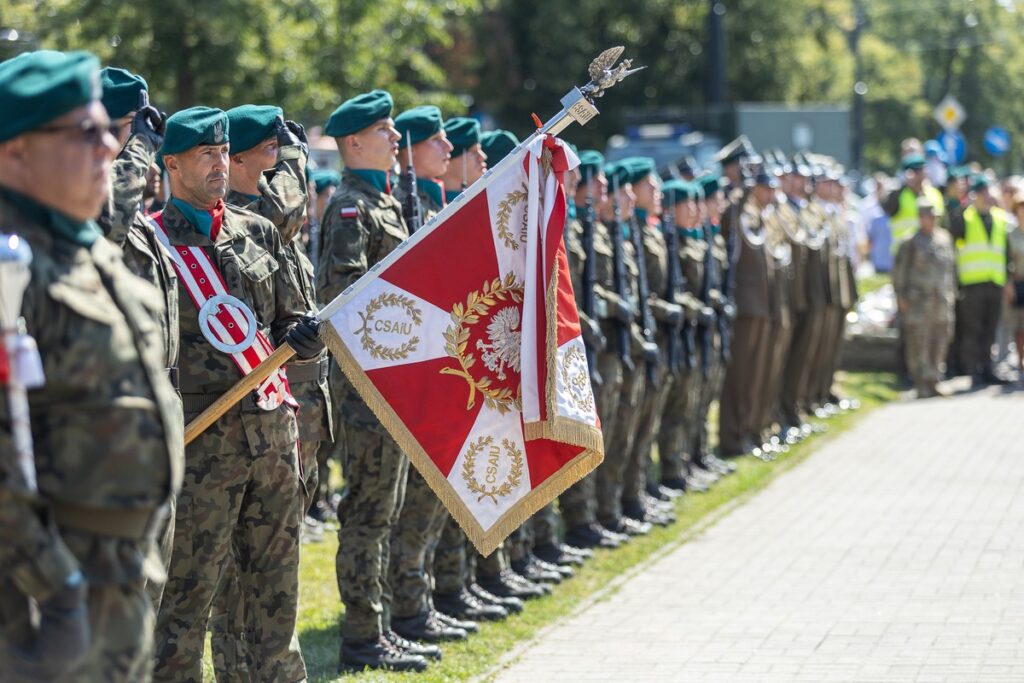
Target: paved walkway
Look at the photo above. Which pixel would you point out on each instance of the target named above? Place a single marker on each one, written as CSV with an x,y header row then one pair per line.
x,y
895,553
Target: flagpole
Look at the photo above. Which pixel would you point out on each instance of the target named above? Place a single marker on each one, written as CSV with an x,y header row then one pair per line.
x,y
577,107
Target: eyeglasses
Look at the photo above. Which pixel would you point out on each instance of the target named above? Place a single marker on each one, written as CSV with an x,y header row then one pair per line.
x,y
88,131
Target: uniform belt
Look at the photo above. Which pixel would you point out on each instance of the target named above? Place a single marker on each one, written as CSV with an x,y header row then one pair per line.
x,y
197,403
137,524
301,373
172,374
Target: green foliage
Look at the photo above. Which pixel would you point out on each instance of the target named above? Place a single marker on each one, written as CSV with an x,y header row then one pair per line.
x,y
511,58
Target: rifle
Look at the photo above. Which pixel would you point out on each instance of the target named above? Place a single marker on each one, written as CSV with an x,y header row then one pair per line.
x,y
412,212
589,299
710,272
677,357
689,343
643,291
619,277
732,255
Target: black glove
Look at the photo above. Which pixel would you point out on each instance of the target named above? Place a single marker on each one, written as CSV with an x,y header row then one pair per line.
x,y
305,338
290,133
592,335
674,316
651,353
62,640
149,123
706,317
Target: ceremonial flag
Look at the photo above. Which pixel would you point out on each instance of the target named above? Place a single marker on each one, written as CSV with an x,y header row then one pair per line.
x,y
465,342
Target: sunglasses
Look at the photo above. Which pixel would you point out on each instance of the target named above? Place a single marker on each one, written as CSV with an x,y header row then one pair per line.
x,y
88,131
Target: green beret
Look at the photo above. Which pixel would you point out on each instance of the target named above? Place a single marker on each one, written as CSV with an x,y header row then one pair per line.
x,y
38,87
463,132
912,161
958,172
638,168
618,174
418,124
362,111
192,127
979,181
121,90
709,184
251,124
497,144
591,163
677,191
326,177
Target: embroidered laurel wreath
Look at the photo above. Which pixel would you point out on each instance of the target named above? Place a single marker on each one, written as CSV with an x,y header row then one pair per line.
x,y
456,338
504,216
371,346
576,378
511,482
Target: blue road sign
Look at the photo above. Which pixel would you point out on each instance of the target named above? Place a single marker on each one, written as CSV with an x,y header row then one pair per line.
x,y
954,144
997,141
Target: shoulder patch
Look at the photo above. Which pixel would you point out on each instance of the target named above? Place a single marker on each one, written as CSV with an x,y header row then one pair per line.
x,y
348,212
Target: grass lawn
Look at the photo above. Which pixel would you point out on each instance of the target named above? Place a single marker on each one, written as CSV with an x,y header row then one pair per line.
x,y
873,282
320,609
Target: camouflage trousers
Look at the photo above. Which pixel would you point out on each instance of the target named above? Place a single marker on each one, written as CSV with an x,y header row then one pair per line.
x,y
229,619
375,479
926,342
414,540
578,503
240,500
121,621
493,564
651,409
611,473
543,527
673,434
710,388
451,559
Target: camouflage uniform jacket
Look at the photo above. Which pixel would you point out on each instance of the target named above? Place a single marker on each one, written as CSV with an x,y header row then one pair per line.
x,y
283,200
124,224
360,226
656,261
257,269
577,257
924,275
105,424
428,207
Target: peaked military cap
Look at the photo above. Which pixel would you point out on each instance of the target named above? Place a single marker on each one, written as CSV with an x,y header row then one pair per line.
x,y
38,87
497,144
251,124
362,111
324,178
914,161
591,163
677,191
192,127
121,90
734,151
763,177
418,124
463,132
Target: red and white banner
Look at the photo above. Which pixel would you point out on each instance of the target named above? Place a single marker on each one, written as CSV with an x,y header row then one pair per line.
x,y
466,344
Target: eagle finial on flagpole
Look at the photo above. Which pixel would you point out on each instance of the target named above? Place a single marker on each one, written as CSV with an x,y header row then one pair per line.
x,y
604,74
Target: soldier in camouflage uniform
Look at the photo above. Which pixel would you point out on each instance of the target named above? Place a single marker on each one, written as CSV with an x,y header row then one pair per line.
x,y
123,221
268,160
104,426
924,277
242,488
669,316
423,145
360,226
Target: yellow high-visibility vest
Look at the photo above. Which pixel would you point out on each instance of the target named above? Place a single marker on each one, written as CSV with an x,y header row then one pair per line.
x,y
978,259
905,222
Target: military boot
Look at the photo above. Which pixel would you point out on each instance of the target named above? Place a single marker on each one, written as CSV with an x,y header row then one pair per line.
x,y
529,567
553,554
464,605
422,649
592,536
625,525
427,627
508,584
377,653
510,604
466,625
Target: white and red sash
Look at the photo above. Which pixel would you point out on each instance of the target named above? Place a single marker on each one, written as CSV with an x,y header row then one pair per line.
x,y
229,325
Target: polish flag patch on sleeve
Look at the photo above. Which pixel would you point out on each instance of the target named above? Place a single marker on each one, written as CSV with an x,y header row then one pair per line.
x,y
349,212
